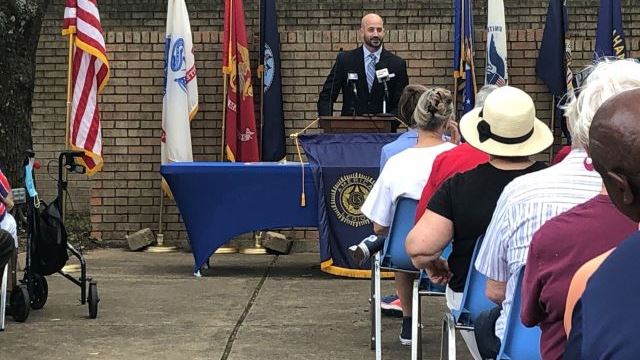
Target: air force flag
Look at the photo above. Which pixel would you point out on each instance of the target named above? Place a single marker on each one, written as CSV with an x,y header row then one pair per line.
x,y
180,101
496,68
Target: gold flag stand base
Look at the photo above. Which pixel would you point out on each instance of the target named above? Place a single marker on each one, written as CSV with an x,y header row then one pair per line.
x,y
161,247
259,250
227,249
256,249
69,268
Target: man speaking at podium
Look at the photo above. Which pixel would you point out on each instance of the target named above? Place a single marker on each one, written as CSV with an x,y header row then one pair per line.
x,y
371,78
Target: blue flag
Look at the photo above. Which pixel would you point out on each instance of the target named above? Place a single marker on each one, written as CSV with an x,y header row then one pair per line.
x,y
273,139
463,67
344,167
610,33
551,65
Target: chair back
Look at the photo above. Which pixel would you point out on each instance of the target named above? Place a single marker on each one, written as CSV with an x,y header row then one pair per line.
x,y
519,342
474,300
394,255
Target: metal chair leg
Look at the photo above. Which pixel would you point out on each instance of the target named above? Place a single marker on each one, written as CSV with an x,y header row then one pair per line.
x,y
448,340
378,312
415,322
3,296
372,306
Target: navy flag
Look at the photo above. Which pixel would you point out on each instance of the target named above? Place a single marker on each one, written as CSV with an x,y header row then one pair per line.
x,y
610,33
463,67
344,167
552,65
273,139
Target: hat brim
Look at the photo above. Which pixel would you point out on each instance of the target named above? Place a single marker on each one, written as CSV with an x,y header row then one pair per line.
x,y
541,138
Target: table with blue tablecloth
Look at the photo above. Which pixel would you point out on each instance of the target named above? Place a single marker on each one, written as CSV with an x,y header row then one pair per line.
x,y
219,201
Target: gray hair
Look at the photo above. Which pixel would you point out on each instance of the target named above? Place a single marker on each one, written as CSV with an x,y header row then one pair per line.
x,y
608,78
482,94
435,108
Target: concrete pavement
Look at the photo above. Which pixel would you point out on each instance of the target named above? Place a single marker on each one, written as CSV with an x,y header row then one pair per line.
x,y
244,307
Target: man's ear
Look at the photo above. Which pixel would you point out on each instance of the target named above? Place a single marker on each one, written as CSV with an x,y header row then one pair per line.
x,y
621,184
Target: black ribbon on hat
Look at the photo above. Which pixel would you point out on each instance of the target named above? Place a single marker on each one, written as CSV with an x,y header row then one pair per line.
x,y
484,131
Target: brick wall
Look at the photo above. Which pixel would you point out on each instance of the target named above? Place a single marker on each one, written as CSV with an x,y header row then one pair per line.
x,y
125,196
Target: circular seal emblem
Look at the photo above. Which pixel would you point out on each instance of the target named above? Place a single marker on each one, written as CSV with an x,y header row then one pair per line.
x,y
269,65
177,55
348,195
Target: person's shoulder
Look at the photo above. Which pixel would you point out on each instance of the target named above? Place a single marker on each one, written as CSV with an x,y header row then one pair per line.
x,y
352,53
390,56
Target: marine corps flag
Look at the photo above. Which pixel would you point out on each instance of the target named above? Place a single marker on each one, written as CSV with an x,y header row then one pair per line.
x,y
89,72
239,121
180,101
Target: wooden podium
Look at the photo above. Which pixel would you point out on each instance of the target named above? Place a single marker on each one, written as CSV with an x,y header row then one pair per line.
x,y
357,124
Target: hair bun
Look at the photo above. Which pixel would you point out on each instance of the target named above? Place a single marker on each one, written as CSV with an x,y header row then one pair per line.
x,y
432,109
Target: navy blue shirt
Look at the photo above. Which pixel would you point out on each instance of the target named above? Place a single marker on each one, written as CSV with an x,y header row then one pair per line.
x,y
605,321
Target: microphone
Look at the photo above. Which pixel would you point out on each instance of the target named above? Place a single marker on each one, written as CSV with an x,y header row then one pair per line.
x,y
352,78
383,76
382,72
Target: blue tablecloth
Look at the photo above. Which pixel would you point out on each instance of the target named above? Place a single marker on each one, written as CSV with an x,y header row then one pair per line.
x,y
219,201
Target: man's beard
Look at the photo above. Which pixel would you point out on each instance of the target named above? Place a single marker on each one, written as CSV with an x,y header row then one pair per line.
x,y
371,42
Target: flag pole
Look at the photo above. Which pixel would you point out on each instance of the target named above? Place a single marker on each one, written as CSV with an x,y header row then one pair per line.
x,y
224,249
67,119
257,248
68,114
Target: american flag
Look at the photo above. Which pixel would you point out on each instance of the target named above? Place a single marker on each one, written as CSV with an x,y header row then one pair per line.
x,y
89,74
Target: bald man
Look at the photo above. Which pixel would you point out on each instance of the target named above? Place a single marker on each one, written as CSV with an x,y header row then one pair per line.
x,y
354,75
605,320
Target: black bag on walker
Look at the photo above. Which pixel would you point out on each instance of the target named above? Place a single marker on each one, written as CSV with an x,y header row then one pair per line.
x,y
49,242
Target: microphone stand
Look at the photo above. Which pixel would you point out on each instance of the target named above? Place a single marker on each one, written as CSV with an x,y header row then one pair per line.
x,y
386,96
355,97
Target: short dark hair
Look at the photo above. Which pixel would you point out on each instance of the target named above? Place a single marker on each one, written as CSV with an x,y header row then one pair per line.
x,y
408,102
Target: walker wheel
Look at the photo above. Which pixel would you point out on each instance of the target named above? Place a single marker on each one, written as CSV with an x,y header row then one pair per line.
x,y
39,291
20,303
93,300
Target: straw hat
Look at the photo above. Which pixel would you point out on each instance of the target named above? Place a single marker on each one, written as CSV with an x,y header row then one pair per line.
x,y
506,125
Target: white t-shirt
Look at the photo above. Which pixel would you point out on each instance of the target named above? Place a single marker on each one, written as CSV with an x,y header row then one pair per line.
x,y
404,174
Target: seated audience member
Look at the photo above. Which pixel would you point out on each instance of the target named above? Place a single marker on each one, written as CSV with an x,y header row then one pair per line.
x,y
461,208
461,158
532,199
605,319
405,174
406,106
557,250
7,222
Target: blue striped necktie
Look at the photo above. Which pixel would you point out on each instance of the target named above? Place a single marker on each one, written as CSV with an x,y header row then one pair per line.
x,y
371,70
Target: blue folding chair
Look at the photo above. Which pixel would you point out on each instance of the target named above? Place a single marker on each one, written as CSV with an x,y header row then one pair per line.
x,y
519,342
473,303
393,257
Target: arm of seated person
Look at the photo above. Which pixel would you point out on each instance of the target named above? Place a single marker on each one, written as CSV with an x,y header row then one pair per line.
x,y
379,229
428,238
495,291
